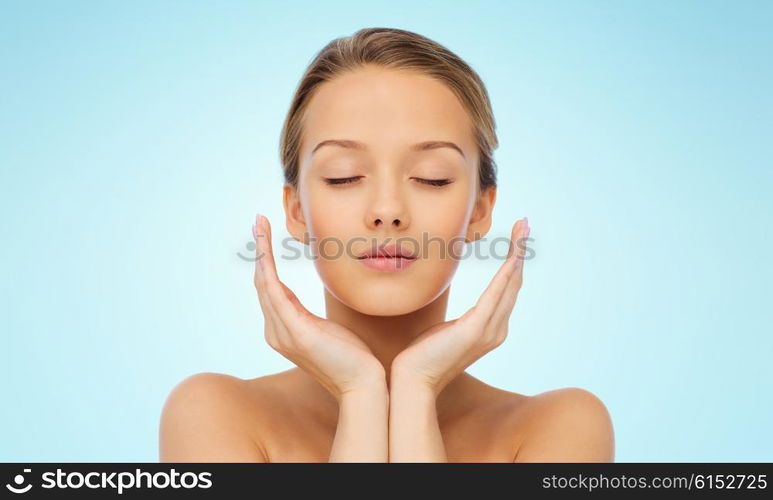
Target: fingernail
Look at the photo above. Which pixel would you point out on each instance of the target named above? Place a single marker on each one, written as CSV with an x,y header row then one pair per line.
x,y
257,219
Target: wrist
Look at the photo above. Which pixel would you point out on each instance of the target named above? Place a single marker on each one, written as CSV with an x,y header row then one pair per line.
x,y
370,382
407,383
375,392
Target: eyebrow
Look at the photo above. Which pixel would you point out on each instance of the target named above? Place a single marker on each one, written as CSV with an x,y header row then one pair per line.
x,y
421,146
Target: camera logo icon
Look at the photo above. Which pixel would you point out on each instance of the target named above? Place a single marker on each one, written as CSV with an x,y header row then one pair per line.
x,y
19,481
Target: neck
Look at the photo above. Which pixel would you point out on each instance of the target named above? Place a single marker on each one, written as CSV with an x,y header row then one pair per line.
x,y
387,336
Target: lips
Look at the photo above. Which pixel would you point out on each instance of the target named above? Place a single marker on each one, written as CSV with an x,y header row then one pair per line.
x,y
393,251
387,258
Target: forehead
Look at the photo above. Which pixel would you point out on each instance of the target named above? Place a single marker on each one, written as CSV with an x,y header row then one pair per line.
x,y
387,109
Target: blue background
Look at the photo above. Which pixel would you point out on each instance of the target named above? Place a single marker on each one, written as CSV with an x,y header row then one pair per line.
x,y
139,139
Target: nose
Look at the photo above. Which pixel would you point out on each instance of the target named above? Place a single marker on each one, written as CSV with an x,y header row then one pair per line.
x,y
387,207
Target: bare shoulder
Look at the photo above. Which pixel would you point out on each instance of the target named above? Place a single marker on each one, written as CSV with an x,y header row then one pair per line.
x,y
564,425
209,417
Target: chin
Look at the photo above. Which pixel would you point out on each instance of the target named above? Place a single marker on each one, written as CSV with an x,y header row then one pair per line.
x,y
376,304
382,295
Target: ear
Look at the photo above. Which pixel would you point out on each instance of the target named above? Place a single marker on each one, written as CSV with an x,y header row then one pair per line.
x,y
480,220
296,224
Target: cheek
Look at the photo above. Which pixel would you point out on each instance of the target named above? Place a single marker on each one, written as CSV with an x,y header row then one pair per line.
x,y
332,224
446,220
331,218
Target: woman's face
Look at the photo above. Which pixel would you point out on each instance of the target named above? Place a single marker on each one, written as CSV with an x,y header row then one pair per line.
x,y
389,190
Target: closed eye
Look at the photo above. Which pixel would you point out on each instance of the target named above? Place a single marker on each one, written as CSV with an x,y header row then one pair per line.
x,y
434,182
349,180
342,180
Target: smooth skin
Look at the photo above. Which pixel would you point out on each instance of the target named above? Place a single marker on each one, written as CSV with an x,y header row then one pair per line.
x,y
382,377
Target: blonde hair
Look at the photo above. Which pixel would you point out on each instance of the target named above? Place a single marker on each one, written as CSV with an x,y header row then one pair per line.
x,y
399,49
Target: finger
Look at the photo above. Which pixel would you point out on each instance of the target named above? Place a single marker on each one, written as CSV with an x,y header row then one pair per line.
x,y
268,265
504,309
269,260
287,314
260,237
492,295
271,330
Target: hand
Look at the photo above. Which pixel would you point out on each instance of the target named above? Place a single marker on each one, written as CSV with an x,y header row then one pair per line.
x,y
334,355
440,353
